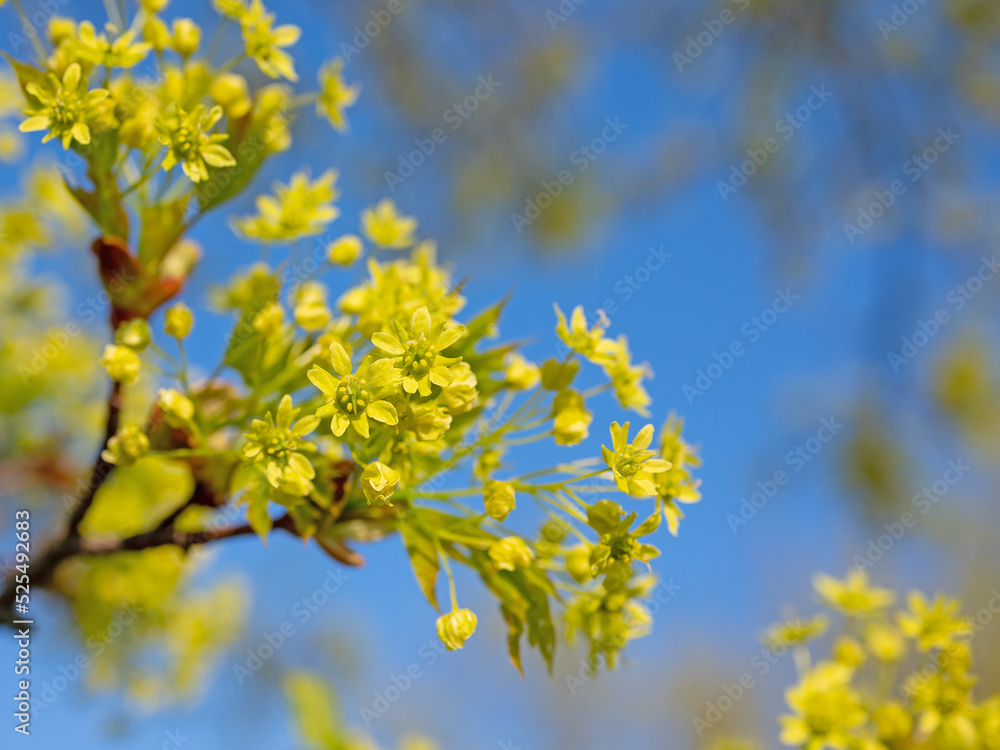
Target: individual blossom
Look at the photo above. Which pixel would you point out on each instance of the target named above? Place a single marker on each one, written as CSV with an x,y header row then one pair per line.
x,y
510,552
311,311
520,374
125,446
848,651
185,37
335,95
795,632
189,141
852,596
461,395
278,444
676,484
301,208
269,319
356,398
826,709
155,33
429,421
387,228
498,499
571,418
265,44
177,408
109,48
121,364
933,624
885,642
456,627
377,482
230,91
134,334
626,378
633,465
344,250
65,108
579,338
415,352
178,321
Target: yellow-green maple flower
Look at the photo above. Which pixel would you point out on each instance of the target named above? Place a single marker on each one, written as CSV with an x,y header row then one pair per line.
x,y
66,107
676,484
344,250
579,338
185,36
498,499
626,378
933,625
571,423
278,444
124,447
300,209
335,95
520,374
177,408
461,395
885,642
826,709
386,227
456,627
852,596
416,352
134,334
109,48
377,482
178,321
356,397
264,44
189,141
121,363
795,632
428,421
510,552
633,465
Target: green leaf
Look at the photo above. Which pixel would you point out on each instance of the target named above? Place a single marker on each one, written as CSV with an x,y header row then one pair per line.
x,y
515,628
424,559
257,514
162,226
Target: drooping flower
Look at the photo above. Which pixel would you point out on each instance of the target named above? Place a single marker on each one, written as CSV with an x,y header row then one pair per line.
x,y
498,499
66,107
626,378
354,398
178,321
344,250
265,44
335,95
386,227
377,482
121,363
571,423
416,352
177,408
301,208
510,552
676,484
189,141
852,596
125,446
456,627
521,374
633,465
278,444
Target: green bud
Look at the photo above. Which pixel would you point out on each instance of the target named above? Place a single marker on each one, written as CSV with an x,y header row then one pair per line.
x,y
498,497
456,627
134,334
511,552
178,321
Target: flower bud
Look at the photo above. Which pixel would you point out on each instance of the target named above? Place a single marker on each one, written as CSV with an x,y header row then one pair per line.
x,y
521,374
134,334
511,552
153,6
156,33
377,481
269,320
186,36
849,652
311,311
231,92
578,564
429,422
176,407
343,251
456,627
121,363
178,321
461,394
61,29
498,498
126,446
